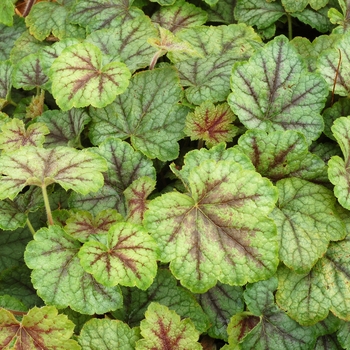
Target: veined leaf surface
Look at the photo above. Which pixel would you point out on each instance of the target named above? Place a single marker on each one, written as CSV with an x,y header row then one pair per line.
x,y
80,79
72,169
211,233
274,91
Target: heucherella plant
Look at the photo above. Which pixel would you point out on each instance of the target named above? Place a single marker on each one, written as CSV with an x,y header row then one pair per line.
x,y
174,174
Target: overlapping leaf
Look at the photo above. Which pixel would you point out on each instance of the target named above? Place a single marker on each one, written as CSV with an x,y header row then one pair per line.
x,y
107,334
5,82
282,154
163,329
59,277
220,303
274,91
179,16
7,9
83,226
72,169
211,233
306,221
98,14
328,63
79,78
338,167
14,135
166,291
65,128
128,258
148,112
47,18
127,43
39,327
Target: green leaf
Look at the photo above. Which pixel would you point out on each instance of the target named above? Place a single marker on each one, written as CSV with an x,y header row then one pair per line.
x,y
222,12
107,334
149,113
318,4
80,79
98,14
329,60
64,128
60,279
211,234
259,13
344,335
274,91
275,327
5,82
162,328
28,73
7,10
301,295
72,169
136,198
39,326
47,18
166,291
14,135
338,167
8,36
291,6
220,303
128,258
179,16
127,43
83,226
281,154
213,124
306,221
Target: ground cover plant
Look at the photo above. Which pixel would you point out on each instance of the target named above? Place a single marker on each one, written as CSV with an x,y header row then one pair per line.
x,y
174,174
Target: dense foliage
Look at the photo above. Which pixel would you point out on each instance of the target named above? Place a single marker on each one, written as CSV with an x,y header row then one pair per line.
x,y
174,174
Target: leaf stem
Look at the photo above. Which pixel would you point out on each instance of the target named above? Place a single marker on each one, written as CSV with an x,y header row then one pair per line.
x,y
47,205
155,57
290,27
30,226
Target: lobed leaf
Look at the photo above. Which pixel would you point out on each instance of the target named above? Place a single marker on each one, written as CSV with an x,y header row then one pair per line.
x,y
80,79
274,91
128,258
72,169
306,221
104,334
210,234
60,279
163,329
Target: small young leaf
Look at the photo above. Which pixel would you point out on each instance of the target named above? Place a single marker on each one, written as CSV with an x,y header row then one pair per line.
x,y
105,334
60,279
39,327
7,9
166,291
14,135
338,167
179,16
212,234
79,78
128,258
306,221
274,91
282,154
64,127
72,169
83,226
210,123
163,329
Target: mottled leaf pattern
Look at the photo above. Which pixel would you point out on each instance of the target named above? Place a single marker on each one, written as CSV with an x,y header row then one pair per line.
x,y
292,97
163,329
61,280
72,169
39,327
128,258
210,234
80,79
